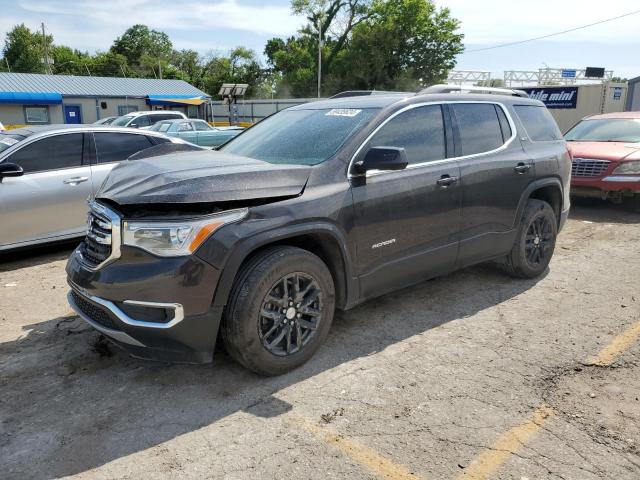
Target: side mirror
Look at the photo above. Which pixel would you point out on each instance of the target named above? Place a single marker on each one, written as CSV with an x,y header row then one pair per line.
x,y
382,158
10,170
133,125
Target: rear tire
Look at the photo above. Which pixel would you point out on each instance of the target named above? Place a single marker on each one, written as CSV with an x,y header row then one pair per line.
x,y
279,311
535,241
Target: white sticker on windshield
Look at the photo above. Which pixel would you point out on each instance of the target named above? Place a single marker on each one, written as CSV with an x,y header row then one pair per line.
x,y
343,112
9,141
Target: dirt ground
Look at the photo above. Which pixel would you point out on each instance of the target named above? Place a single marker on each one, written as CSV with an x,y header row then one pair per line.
x,y
473,375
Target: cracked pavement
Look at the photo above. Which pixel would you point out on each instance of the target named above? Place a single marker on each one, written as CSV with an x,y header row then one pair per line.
x,y
427,378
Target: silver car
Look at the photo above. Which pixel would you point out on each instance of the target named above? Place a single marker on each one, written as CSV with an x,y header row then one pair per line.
x,y
48,172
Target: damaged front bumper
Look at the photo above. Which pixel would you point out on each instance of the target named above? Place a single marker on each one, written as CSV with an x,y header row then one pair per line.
x,y
155,308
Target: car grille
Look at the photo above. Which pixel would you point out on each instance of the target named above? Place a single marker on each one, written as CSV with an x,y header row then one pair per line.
x,y
98,244
93,312
587,167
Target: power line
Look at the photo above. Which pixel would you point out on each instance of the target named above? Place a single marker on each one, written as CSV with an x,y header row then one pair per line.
x,y
553,34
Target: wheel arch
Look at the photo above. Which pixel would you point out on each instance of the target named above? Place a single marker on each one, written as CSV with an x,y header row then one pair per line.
x,y
325,241
548,190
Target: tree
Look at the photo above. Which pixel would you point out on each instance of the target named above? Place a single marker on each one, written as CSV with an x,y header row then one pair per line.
x,y
240,66
108,64
24,50
142,48
404,44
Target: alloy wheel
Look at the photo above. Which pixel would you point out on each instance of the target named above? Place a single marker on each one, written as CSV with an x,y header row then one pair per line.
x,y
290,314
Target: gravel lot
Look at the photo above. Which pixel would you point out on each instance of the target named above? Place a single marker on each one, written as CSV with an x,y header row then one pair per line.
x,y
473,375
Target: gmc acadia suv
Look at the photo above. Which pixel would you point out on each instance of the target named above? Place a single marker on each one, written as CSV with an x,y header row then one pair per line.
x,y
321,206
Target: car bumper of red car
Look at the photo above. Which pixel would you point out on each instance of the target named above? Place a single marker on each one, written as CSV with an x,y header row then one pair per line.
x,y
593,187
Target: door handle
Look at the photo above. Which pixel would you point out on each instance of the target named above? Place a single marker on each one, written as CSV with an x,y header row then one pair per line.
x,y
446,180
74,180
522,167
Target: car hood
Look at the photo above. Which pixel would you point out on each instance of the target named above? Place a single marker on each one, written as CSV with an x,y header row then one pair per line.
x,y
613,151
200,176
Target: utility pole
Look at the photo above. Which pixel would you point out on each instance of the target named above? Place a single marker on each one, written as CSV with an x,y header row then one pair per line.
x,y
46,51
319,54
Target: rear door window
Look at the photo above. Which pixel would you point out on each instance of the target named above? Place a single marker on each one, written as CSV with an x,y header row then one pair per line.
x,y
202,126
142,121
538,122
115,147
479,127
51,153
420,131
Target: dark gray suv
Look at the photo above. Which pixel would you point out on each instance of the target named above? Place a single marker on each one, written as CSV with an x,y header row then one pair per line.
x,y
321,206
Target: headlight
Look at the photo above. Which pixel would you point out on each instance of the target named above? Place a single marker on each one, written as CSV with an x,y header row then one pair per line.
x,y
176,238
628,168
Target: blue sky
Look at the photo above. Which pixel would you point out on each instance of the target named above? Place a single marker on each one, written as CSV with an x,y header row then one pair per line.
x,y
219,25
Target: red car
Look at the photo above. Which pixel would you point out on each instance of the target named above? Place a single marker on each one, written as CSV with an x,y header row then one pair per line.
x,y
606,156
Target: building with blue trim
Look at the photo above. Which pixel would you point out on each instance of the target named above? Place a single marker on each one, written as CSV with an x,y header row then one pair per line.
x,y
33,99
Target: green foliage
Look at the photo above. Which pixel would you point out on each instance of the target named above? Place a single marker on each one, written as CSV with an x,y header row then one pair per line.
x,y
24,50
141,46
379,44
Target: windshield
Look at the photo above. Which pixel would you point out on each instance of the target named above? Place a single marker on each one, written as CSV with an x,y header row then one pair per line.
x,y
122,121
605,130
161,127
7,141
300,137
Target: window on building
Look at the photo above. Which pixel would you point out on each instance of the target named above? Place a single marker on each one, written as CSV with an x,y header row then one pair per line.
x,y
115,147
50,153
124,109
479,127
192,111
420,131
36,114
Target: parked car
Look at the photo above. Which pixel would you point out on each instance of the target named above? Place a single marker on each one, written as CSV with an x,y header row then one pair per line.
x,y
48,172
105,121
606,156
320,206
146,119
198,132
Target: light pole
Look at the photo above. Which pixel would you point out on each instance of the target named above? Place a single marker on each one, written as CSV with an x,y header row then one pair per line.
x,y
319,53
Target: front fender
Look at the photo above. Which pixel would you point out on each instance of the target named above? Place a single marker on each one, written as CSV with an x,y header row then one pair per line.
x,y
241,250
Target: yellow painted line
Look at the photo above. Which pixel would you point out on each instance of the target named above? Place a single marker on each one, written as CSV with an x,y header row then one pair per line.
x,y
616,347
365,456
491,459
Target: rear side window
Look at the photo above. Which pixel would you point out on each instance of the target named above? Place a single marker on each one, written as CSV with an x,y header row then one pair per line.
x,y
538,122
115,147
478,126
141,121
420,131
52,153
202,126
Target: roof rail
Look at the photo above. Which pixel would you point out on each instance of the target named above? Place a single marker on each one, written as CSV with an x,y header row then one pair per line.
x,y
449,88
364,93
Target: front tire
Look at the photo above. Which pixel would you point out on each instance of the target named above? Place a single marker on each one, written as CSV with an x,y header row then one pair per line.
x,y
279,311
535,241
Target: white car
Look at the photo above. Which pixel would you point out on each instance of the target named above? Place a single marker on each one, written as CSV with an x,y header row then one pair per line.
x,y
48,172
146,119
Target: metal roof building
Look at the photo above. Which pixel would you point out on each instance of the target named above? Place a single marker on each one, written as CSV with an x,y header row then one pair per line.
x,y
633,95
27,98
